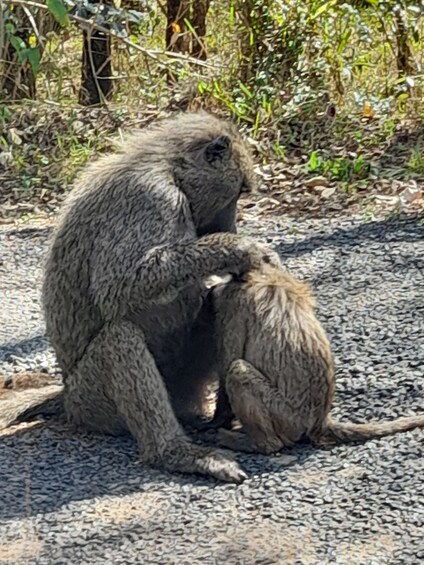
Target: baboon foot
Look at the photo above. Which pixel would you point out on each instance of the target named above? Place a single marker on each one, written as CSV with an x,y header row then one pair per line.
x,y
258,406
189,458
240,441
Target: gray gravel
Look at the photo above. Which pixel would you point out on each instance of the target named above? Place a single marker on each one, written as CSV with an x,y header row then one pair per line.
x,y
68,499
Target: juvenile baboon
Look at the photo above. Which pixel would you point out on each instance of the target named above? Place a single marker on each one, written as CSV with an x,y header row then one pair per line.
x,y
124,288
278,367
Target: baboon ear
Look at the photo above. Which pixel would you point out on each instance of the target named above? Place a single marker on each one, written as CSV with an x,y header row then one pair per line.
x,y
218,148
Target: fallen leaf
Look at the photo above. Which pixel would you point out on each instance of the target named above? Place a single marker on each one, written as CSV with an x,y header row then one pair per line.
x,y
315,181
391,200
411,194
5,158
77,126
368,112
14,137
327,192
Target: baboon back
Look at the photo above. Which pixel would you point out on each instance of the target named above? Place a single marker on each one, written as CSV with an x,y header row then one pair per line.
x,y
265,321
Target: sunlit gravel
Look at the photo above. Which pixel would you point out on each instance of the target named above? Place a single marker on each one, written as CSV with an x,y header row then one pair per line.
x,y
68,499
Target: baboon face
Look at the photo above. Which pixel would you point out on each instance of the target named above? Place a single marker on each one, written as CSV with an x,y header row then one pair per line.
x,y
224,220
213,173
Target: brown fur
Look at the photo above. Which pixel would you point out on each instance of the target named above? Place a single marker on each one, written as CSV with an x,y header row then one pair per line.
x,y
124,289
18,405
279,367
24,380
26,390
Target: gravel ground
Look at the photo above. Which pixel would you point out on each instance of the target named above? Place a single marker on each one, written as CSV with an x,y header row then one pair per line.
x,y
69,499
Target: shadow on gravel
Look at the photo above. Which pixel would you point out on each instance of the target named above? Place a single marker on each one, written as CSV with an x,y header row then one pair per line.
x,y
29,345
397,262
29,232
390,230
47,466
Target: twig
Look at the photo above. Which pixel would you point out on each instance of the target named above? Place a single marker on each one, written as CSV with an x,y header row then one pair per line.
x,y
33,24
161,7
2,35
152,53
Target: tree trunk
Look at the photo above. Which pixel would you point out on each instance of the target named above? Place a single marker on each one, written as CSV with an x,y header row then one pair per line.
x,y
200,11
96,68
177,39
404,58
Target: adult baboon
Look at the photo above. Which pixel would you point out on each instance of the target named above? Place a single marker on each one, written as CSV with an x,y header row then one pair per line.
x,y
278,367
124,281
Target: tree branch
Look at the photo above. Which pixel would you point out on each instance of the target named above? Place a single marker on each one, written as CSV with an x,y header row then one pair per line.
x,y
152,53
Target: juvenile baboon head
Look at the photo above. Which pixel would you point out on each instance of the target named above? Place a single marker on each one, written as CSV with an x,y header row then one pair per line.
x,y
212,166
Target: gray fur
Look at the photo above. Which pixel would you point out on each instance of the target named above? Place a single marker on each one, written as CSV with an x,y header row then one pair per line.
x,y
124,286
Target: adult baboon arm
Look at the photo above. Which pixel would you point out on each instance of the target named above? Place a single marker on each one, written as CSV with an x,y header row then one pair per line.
x,y
162,272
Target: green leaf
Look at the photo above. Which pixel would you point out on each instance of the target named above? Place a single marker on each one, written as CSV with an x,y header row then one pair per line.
x,y
5,112
18,43
32,54
323,8
232,15
245,90
313,162
189,26
9,27
403,96
59,11
358,164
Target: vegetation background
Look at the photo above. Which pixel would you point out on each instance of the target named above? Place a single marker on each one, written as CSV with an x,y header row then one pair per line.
x,y
329,93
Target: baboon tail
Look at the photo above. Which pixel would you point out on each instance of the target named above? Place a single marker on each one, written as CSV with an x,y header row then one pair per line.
x,y
25,405
340,432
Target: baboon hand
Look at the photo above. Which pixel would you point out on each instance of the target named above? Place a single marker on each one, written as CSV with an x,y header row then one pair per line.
x,y
259,254
215,280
